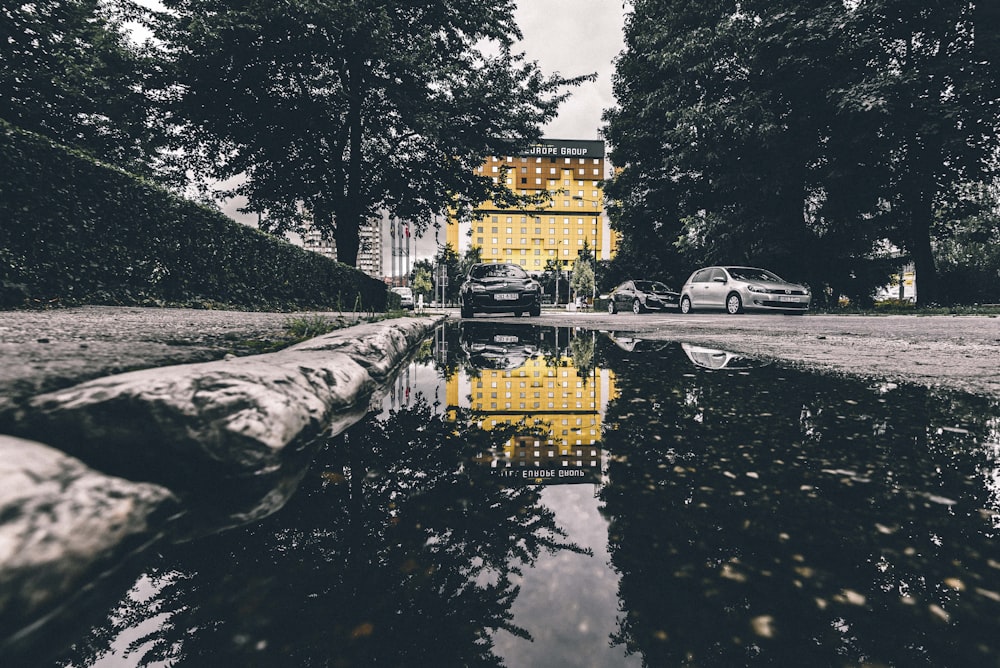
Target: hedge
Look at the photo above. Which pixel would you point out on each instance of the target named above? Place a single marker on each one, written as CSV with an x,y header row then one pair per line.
x,y
75,231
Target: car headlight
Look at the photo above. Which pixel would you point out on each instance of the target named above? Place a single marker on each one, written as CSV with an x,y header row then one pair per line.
x,y
476,287
755,288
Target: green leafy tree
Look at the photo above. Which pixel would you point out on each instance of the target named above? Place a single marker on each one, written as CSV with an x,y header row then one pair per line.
x,y
929,92
965,248
582,280
420,281
69,72
797,134
719,133
338,109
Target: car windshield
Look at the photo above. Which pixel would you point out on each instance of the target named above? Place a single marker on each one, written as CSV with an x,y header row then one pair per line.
x,y
498,271
651,286
751,274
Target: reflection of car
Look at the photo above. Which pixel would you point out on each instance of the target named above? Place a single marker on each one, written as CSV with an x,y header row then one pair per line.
x,y
628,342
494,345
624,340
710,358
639,296
500,288
405,297
737,289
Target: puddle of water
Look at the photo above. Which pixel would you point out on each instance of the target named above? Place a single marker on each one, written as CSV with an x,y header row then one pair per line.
x,y
540,496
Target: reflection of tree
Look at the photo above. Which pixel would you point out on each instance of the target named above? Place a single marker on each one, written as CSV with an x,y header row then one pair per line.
x,y
777,518
397,550
581,348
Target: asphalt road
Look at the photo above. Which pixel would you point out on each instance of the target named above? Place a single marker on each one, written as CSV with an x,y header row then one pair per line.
x,y
45,350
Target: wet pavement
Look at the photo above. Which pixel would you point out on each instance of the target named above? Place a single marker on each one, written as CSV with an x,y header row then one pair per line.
x,y
527,494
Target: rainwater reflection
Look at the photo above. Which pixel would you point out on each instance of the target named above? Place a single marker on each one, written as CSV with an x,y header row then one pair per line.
x,y
540,496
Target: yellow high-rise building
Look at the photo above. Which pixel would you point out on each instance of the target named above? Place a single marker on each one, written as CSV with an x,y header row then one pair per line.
x,y
569,174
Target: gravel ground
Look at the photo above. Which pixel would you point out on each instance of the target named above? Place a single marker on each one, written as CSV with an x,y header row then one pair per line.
x,y
958,352
45,350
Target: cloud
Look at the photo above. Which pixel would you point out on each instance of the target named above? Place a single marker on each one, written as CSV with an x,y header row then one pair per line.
x,y
574,37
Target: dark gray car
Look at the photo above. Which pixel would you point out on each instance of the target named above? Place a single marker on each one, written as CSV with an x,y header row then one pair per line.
x,y
639,296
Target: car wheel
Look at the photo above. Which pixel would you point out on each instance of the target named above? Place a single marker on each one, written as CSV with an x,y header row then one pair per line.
x,y
685,304
535,311
636,307
734,304
611,307
518,314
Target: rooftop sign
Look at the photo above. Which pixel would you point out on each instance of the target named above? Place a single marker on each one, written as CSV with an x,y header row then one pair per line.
x,y
565,148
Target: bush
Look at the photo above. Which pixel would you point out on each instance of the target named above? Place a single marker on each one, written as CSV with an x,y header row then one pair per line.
x,y
75,231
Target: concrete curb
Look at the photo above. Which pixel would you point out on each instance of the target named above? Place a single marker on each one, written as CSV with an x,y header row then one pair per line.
x,y
215,443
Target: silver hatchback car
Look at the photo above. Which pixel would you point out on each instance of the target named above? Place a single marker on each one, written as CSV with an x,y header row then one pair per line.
x,y
739,289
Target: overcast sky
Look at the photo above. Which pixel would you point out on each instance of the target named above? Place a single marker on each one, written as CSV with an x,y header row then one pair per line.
x,y
574,37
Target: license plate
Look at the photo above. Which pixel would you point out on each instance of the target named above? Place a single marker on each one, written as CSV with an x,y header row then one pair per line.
x,y
505,296
788,299
500,338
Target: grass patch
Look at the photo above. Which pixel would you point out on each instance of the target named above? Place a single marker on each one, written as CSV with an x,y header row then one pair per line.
x,y
310,326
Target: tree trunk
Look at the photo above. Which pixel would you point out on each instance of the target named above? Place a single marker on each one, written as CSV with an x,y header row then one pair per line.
x,y
923,256
349,210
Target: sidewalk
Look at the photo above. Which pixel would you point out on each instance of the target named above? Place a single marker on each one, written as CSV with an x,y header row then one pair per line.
x,y
53,349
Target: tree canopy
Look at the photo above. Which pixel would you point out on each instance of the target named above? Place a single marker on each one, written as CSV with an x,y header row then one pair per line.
x,y
69,72
798,134
331,111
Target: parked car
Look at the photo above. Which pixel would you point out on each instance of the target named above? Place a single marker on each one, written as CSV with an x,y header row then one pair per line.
x,y
405,297
500,288
639,296
739,289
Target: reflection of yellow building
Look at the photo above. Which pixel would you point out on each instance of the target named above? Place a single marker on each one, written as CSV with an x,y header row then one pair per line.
x,y
568,173
569,408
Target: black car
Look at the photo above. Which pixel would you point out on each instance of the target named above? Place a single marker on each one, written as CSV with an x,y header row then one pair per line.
x,y
639,296
500,288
